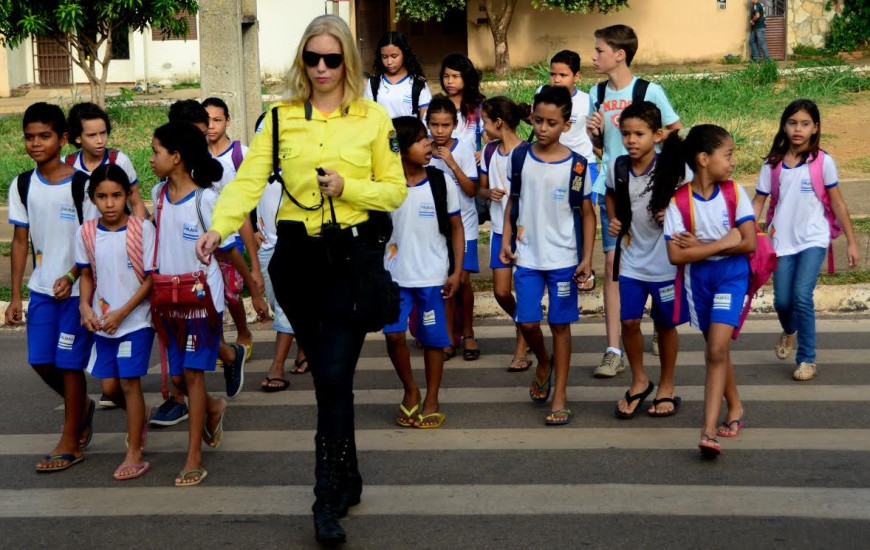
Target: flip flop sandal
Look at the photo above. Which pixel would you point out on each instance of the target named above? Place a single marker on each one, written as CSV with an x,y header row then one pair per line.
x,y
184,475
589,284
249,349
448,355
520,365
408,414
298,367
539,387
469,354
88,425
141,469
439,420
730,429
214,440
709,446
71,460
549,420
675,401
268,388
639,397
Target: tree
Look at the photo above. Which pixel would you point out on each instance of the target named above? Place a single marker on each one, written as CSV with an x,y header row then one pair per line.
x,y
85,28
500,13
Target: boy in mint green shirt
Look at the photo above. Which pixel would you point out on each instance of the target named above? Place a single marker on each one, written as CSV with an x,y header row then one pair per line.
x,y
615,47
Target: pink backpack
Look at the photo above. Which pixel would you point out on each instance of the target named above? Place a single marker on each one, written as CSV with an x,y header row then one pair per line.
x,y
762,262
816,165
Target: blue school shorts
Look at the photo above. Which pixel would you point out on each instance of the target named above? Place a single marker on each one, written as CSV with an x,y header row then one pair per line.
x,y
715,290
632,299
197,354
494,250
128,356
470,262
561,289
431,320
55,335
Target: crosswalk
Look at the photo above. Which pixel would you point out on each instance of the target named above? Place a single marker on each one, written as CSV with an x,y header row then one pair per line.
x,y
803,456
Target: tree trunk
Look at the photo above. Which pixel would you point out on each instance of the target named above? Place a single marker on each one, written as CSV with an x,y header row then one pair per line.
x,y
499,23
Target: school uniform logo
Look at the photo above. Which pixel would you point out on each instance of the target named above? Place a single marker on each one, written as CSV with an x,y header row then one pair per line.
x,y
427,210
563,289
667,293
65,341
125,350
407,99
68,212
726,220
807,186
722,301
429,318
560,193
190,232
394,141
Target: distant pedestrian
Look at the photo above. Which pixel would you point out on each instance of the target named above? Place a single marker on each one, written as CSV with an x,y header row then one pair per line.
x,y
806,211
757,30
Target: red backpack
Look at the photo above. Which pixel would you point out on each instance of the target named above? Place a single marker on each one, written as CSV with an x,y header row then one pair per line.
x,y
762,262
113,157
817,177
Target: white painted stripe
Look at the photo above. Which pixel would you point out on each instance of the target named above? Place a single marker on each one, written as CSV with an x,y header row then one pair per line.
x,y
447,439
788,391
448,500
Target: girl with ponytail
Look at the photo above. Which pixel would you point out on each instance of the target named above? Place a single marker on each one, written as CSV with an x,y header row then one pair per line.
x,y
709,229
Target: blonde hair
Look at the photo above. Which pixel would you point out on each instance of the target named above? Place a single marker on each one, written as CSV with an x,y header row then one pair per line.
x,y
298,83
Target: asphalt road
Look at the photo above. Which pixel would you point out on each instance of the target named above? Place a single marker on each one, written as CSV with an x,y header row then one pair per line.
x,y
493,477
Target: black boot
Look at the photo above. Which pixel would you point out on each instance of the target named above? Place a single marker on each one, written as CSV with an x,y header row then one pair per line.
x,y
352,484
326,490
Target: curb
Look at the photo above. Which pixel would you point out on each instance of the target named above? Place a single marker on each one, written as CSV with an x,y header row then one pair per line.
x,y
831,299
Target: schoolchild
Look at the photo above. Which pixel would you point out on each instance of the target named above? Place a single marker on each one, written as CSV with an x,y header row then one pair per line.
x,y
711,240
231,154
806,211
397,80
643,268
89,131
183,204
456,159
47,205
461,82
501,116
553,221
115,255
615,47
425,229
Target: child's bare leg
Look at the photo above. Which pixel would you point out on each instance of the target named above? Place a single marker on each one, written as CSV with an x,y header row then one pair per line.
x,y
562,364
668,347
52,376
467,297
74,399
502,288
718,339
111,388
732,397
397,348
226,353
449,313
135,401
535,338
632,341
434,361
237,312
611,302
175,389
194,388
283,343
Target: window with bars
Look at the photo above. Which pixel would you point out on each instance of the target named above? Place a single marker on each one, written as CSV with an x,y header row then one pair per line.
x,y
121,43
774,7
157,34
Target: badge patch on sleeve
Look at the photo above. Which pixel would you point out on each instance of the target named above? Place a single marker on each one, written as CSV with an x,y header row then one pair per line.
x,y
394,142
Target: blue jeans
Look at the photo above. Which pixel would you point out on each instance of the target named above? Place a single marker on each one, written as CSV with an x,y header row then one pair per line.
x,y
793,285
757,41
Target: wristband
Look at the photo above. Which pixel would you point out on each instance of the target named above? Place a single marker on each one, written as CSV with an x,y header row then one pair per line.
x,y
72,278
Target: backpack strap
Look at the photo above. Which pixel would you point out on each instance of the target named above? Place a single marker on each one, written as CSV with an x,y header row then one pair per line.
x,y
71,159
775,171
638,93
438,184
375,84
602,89
729,193
576,198
623,207
113,156
518,159
817,177
89,239
488,152
683,200
237,155
79,183
417,85
135,250
23,185
160,196
198,199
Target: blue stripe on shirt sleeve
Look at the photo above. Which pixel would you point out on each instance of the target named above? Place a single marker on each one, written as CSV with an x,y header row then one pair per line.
x,y
762,193
83,265
454,213
19,224
668,238
745,219
829,185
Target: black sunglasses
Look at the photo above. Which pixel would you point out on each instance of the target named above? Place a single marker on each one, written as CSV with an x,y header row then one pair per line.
x,y
312,59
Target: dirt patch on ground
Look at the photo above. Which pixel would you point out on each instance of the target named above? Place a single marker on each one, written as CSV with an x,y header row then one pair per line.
x,y
844,135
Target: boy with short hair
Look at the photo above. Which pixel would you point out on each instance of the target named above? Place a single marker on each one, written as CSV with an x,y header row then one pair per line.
x,y
615,47
47,205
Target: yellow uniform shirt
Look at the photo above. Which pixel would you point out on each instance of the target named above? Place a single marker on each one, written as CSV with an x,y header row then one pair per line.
x,y
355,144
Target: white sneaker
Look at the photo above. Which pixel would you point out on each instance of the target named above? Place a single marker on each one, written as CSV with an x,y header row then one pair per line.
x,y
611,365
805,371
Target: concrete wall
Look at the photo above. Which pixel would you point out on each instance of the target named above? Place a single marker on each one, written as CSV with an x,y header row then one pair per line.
x,y
669,31
16,68
808,23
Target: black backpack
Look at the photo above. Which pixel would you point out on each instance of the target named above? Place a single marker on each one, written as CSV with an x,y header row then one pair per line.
x,y
638,93
623,206
438,184
79,183
575,193
417,85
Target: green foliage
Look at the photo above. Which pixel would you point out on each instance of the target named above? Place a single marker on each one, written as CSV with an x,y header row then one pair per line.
x,y
6,293
581,6
425,10
850,30
802,50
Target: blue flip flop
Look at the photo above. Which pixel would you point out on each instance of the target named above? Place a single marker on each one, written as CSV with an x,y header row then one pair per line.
x,y
88,425
538,387
70,458
564,421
